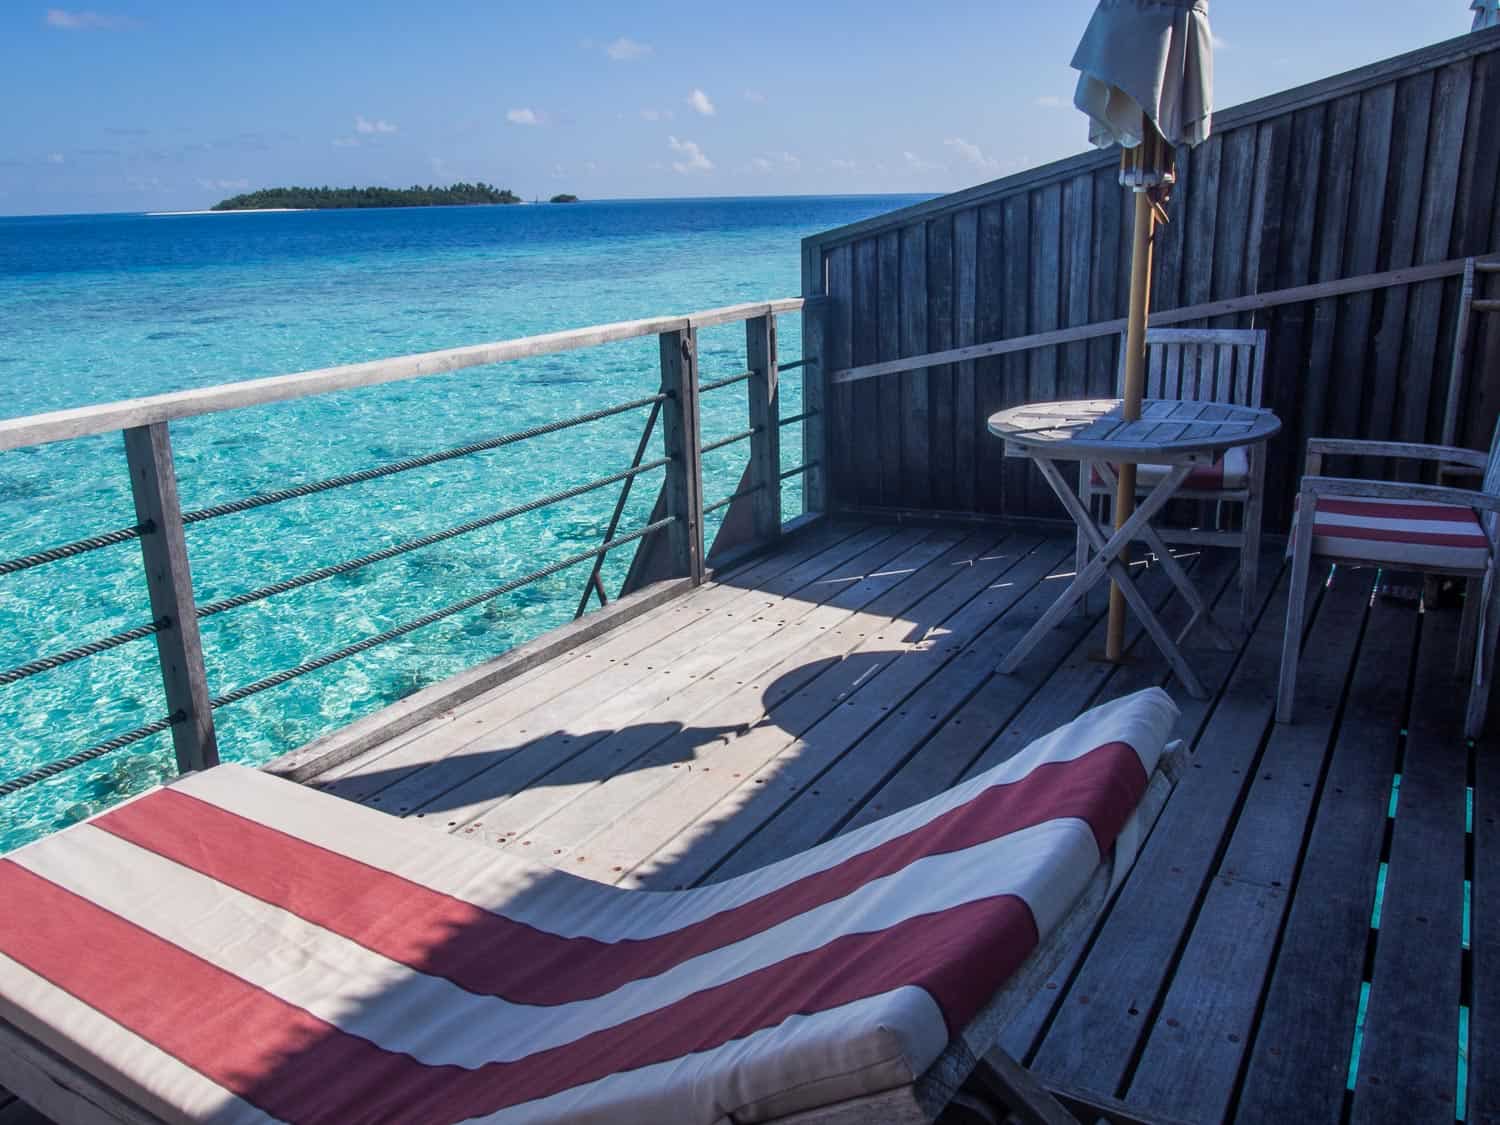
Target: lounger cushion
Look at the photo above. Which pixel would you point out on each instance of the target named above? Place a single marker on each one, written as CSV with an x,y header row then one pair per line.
x,y
1420,533
238,948
1229,473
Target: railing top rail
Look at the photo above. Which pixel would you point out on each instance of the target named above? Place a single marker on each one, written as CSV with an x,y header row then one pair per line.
x,y
60,425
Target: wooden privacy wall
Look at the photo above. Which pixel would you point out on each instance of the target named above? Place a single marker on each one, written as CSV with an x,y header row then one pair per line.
x,y
1388,166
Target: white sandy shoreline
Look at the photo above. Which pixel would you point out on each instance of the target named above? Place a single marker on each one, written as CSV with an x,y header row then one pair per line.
x,y
234,211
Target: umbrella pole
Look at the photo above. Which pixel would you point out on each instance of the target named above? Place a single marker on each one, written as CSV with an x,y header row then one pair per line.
x,y
1135,384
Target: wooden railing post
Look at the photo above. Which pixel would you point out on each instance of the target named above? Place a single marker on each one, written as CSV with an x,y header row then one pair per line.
x,y
765,417
815,401
153,481
684,483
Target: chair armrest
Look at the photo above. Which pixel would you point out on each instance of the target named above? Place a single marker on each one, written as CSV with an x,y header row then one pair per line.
x,y
1406,450
1399,490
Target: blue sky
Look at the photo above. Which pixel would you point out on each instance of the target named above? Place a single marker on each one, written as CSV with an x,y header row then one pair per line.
x,y
136,105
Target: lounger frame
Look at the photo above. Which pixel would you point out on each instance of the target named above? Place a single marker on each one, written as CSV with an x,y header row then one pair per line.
x,y
64,1092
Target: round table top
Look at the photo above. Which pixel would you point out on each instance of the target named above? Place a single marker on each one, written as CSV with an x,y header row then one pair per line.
x,y
1168,430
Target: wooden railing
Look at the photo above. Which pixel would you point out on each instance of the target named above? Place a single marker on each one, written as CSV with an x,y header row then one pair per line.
x,y
1334,215
752,517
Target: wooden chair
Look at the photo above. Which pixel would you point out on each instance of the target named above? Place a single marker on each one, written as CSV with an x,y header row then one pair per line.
x,y
1435,529
1206,365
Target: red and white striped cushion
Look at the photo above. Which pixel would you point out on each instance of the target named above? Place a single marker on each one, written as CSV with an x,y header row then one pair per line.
x,y
238,948
1229,473
1417,532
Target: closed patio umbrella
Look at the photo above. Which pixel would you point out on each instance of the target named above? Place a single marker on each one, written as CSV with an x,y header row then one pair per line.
x,y
1146,84
1486,14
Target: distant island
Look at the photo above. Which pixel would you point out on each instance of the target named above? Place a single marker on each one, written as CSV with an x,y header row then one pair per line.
x,y
331,198
563,198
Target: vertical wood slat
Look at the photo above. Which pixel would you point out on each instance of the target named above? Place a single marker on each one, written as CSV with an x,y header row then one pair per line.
x,y
840,322
940,390
1409,133
887,339
1443,154
1342,130
1290,327
1234,210
684,483
169,583
967,423
864,486
1201,221
989,374
1045,301
916,447
765,418
1078,212
815,401
1104,296
1167,378
1372,157
1015,306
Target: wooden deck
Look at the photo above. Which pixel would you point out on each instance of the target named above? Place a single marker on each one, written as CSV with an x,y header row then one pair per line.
x,y
851,673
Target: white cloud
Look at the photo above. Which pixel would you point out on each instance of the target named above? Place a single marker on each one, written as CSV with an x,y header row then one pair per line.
x,y
64,20
223,185
701,103
971,152
1220,43
345,142
55,158
842,165
915,163
772,160
365,125
558,171
649,114
590,167
1050,101
755,97
625,49
522,116
693,160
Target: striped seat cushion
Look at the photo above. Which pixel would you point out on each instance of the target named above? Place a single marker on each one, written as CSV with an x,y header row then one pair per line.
x,y
1229,473
238,948
1420,533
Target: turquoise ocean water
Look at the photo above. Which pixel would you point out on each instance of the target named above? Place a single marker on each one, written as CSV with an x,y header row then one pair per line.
x,y
102,307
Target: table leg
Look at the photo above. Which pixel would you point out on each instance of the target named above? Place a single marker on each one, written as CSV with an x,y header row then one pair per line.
x,y
1106,562
1179,577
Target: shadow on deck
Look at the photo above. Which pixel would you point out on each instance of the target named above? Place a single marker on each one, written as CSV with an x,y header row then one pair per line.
x,y
1294,943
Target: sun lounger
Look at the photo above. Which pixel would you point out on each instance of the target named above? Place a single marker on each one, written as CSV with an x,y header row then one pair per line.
x,y
237,948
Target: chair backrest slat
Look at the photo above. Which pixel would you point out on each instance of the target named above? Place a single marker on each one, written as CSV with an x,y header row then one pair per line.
x,y
1204,364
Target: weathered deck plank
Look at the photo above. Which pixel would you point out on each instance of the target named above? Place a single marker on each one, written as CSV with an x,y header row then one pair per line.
x,y
1208,1014
670,685
805,678
825,543
1408,1067
1300,1057
442,766
1091,1043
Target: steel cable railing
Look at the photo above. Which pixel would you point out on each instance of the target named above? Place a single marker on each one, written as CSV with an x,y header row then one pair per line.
x,y
336,655
612,542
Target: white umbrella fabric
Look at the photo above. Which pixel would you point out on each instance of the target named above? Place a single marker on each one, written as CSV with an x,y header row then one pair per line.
x,y
1147,72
